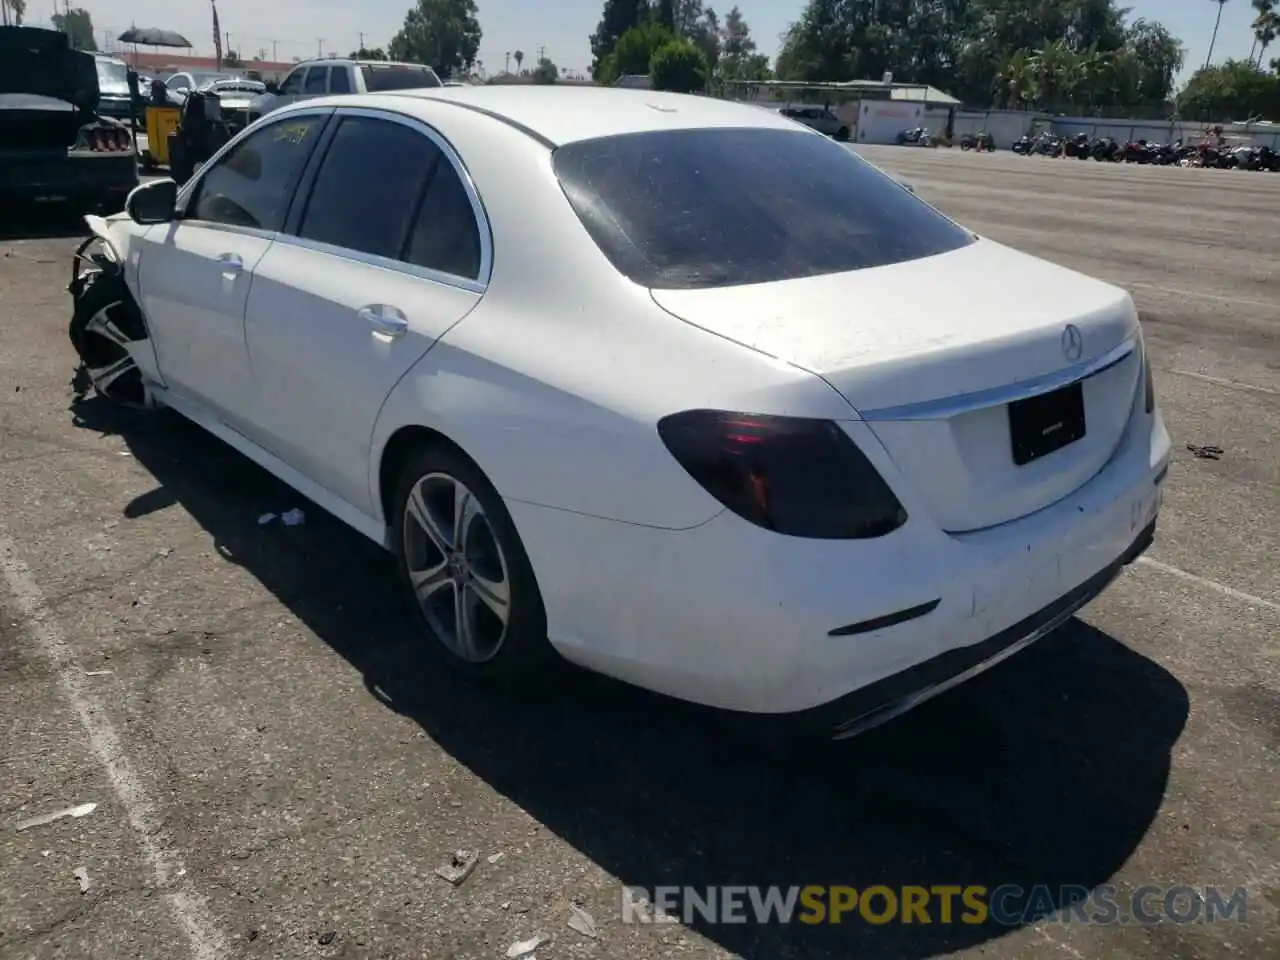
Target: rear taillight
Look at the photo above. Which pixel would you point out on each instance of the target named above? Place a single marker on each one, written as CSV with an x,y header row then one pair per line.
x,y
798,477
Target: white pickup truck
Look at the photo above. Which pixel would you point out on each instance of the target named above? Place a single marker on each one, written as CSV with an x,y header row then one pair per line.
x,y
317,78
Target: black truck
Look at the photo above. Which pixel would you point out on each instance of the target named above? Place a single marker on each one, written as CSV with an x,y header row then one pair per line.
x,y
53,142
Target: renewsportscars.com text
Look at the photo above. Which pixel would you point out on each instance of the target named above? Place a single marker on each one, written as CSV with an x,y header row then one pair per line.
x,y
1006,905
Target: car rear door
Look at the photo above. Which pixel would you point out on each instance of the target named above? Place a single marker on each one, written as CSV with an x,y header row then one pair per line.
x,y
388,250
195,273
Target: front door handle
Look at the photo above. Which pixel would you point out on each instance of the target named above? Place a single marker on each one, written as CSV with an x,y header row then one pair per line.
x,y
231,265
386,320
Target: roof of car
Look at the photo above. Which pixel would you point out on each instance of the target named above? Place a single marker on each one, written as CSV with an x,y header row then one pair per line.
x,y
566,114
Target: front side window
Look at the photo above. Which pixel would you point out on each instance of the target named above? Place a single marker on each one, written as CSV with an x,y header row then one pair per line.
x,y
252,184
369,187
681,209
317,79
292,83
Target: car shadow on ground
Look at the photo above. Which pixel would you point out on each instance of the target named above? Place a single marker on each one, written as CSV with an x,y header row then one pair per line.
x,y
51,221
1045,771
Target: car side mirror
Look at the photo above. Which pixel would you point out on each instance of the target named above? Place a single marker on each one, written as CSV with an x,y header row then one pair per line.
x,y
273,87
153,202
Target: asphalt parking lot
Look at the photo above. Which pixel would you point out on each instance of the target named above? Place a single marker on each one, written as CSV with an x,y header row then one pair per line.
x,y
278,772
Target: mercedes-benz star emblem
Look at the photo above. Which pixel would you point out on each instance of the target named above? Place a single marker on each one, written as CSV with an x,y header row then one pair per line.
x,y
1072,343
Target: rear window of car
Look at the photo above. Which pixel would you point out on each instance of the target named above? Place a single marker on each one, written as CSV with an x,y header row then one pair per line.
x,y
681,209
398,77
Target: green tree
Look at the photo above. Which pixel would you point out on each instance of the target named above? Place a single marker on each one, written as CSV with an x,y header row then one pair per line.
x,y
231,59
679,65
444,34
616,18
368,53
519,58
634,51
664,14
546,72
1235,90
78,26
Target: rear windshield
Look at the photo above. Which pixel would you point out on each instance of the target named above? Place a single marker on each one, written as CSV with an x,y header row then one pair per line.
x,y
112,75
398,77
680,209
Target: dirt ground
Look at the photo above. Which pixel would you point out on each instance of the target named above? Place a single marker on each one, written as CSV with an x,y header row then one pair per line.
x,y
278,771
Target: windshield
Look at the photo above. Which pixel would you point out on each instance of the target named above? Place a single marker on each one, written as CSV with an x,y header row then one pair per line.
x,y
712,207
112,76
399,76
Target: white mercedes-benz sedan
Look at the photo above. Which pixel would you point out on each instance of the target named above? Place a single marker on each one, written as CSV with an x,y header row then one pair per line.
x,y
672,388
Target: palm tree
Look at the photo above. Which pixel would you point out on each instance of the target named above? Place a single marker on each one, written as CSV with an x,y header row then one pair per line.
x,y
1265,27
1214,39
519,55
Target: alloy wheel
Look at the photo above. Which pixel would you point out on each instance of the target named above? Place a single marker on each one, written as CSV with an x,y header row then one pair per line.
x,y
105,352
456,567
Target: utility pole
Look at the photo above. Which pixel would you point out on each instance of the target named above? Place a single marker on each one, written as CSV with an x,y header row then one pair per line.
x,y
542,53
274,58
319,47
361,47
228,36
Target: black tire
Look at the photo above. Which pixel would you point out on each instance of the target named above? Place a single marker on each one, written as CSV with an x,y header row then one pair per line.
x,y
524,655
102,293
842,135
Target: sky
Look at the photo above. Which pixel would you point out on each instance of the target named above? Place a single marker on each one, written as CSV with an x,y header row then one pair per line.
x,y
302,28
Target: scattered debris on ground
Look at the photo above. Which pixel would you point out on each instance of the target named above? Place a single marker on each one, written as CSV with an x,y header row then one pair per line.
x,y
526,948
1206,453
582,922
327,937
82,878
76,812
459,866
496,857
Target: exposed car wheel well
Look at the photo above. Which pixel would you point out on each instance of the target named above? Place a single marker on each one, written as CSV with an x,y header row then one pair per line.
x,y
402,445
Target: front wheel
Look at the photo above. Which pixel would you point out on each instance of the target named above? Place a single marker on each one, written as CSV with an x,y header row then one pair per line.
x,y
105,322
466,570
842,135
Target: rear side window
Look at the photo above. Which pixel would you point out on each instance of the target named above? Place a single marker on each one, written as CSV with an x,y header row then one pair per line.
x,y
446,236
316,79
680,209
399,76
369,187
339,80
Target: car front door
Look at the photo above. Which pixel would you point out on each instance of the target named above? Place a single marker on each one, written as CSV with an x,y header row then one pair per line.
x,y
388,251
316,84
289,90
195,272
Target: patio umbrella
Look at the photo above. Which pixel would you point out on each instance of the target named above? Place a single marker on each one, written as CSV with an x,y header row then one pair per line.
x,y
153,37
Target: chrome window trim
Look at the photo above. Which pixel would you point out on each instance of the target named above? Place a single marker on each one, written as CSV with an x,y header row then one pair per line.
x,y
484,232
953,406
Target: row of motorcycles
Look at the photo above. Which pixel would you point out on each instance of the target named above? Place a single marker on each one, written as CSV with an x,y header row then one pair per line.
x,y
1209,153
922,137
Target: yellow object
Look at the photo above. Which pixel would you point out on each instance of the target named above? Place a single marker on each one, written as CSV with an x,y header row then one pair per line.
x,y
161,121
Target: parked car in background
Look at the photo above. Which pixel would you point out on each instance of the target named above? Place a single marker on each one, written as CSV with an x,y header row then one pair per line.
x,y
54,144
235,97
114,99
182,83
821,119
810,454
316,78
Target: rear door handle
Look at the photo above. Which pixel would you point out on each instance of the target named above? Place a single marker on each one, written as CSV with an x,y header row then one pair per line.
x,y
386,320
231,265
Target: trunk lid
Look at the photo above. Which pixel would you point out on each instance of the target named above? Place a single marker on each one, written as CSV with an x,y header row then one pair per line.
x,y
930,352
47,90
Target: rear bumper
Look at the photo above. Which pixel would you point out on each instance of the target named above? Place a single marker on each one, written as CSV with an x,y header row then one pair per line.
x,y
838,633
41,174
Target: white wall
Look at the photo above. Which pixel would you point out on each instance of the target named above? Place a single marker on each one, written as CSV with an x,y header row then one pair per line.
x,y
1008,125
880,121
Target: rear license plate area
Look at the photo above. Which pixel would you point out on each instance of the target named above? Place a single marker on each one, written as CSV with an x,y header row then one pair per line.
x,y
1042,424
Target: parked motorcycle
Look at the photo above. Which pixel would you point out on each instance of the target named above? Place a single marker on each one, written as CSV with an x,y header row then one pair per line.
x,y
1105,150
978,142
1024,145
917,136
1077,146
